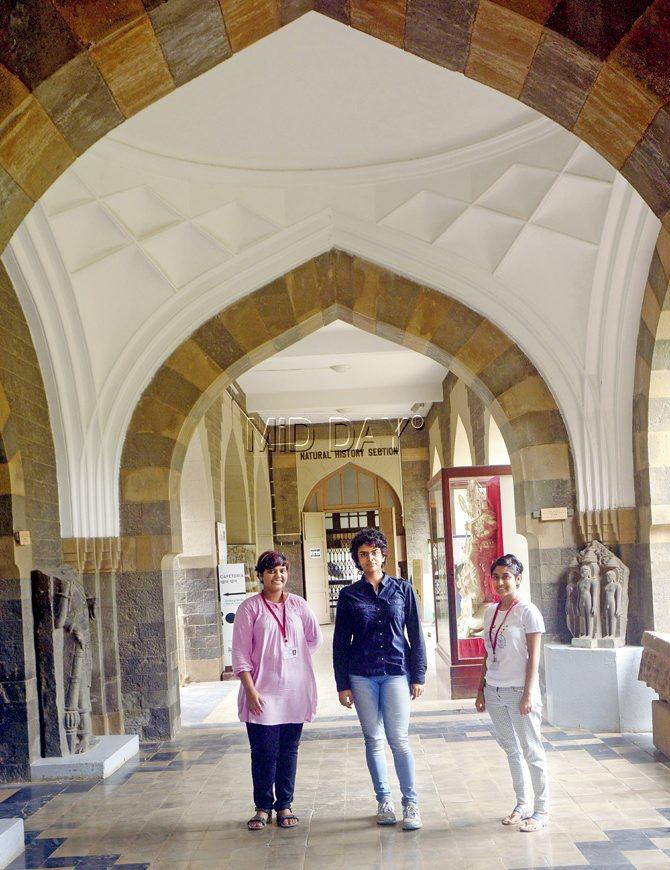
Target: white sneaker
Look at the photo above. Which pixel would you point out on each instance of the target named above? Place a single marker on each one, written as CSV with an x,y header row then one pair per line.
x,y
411,818
386,813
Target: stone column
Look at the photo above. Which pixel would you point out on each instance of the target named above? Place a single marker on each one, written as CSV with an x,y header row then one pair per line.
x,y
147,631
415,469
287,516
96,560
19,709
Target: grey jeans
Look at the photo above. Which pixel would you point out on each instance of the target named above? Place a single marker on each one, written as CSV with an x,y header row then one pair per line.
x,y
520,738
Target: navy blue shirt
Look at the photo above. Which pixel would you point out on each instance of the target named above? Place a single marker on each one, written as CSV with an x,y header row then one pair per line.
x,y
369,638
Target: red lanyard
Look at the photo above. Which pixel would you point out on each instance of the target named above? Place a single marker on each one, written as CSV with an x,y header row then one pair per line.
x,y
494,640
282,624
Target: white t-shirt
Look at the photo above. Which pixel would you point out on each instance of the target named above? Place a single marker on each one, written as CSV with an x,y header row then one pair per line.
x,y
508,666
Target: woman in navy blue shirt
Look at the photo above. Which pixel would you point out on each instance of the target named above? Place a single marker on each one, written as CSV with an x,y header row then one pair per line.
x,y
379,668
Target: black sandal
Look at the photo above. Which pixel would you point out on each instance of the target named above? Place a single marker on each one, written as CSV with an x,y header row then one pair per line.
x,y
260,822
281,820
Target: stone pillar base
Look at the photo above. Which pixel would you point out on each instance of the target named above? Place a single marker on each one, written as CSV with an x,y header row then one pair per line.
x,y
596,689
99,762
660,715
12,843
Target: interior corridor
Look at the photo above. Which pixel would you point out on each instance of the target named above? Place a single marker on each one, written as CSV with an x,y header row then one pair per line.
x,y
185,802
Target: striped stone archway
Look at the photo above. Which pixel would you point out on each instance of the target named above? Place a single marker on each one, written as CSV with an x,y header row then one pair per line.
x,y
72,71
333,286
651,441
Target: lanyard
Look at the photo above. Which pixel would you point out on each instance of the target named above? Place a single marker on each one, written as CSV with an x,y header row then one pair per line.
x,y
492,638
282,624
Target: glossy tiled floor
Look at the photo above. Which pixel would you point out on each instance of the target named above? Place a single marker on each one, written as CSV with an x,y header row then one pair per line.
x,y
184,805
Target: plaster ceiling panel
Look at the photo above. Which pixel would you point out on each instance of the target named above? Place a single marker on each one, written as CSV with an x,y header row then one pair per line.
x,y
317,94
587,162
553,274
235,226
425,216
68,191
266,202
183,253
519,191
481,236
104,176
86,234
142,212
116,296
575,206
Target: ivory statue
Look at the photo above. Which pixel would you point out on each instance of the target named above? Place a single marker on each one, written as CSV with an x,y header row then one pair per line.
x,y
62,614
472,581
596,602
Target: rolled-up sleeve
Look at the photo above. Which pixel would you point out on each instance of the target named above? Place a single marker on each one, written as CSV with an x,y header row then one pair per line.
x,y
243,636
342,643
417,646
311,627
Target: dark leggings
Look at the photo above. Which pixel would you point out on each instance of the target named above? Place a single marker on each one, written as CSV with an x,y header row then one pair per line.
x,y
274,761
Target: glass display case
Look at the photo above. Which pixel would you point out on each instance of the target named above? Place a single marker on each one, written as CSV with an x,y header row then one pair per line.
x,y
467,520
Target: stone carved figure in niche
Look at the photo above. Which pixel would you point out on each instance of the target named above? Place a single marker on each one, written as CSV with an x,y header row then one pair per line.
x,y
572,599
480,550
73,612
62,615
597,585
588,595
612,610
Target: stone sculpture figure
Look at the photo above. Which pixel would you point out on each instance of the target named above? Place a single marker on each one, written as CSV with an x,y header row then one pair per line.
x,y
612,610
596,603
572,599
62,615
587,601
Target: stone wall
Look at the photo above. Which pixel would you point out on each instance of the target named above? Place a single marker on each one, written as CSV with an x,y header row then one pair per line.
x,y
415,468
29,502
196,593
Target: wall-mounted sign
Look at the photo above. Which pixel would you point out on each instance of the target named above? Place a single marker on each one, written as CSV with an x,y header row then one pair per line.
x,y
315,552
555,513
352,453
232,579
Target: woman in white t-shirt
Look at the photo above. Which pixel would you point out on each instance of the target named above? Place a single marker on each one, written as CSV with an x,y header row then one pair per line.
x,y
509,690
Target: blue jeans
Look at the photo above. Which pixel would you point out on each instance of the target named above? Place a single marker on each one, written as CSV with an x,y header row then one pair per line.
x,y
382,704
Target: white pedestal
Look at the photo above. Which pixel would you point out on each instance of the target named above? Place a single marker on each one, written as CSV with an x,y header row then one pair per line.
x,y
12,843
101,761
596,689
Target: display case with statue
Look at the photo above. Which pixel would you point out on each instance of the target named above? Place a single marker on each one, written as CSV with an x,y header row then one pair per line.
x,y
470,507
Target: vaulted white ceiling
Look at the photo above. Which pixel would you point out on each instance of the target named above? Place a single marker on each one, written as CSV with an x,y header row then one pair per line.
x,y
342,371
316,137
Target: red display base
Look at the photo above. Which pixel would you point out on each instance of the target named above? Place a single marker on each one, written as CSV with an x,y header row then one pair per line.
x,y
464,678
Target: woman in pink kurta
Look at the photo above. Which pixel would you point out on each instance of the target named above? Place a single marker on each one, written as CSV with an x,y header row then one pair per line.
x,y
274,637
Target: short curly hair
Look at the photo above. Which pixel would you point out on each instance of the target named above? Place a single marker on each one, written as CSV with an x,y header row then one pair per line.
x,y
373,537
508,561
269,560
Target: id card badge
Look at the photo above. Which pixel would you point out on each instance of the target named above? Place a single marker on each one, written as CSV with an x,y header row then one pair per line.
x,y
289,652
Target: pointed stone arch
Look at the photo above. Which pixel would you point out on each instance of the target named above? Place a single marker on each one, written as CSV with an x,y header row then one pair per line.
x,y
606,81
332,286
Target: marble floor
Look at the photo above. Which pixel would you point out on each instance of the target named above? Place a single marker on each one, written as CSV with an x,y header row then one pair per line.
x,y
184,803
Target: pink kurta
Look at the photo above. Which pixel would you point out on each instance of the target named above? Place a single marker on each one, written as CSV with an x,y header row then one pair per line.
x,y
287,686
